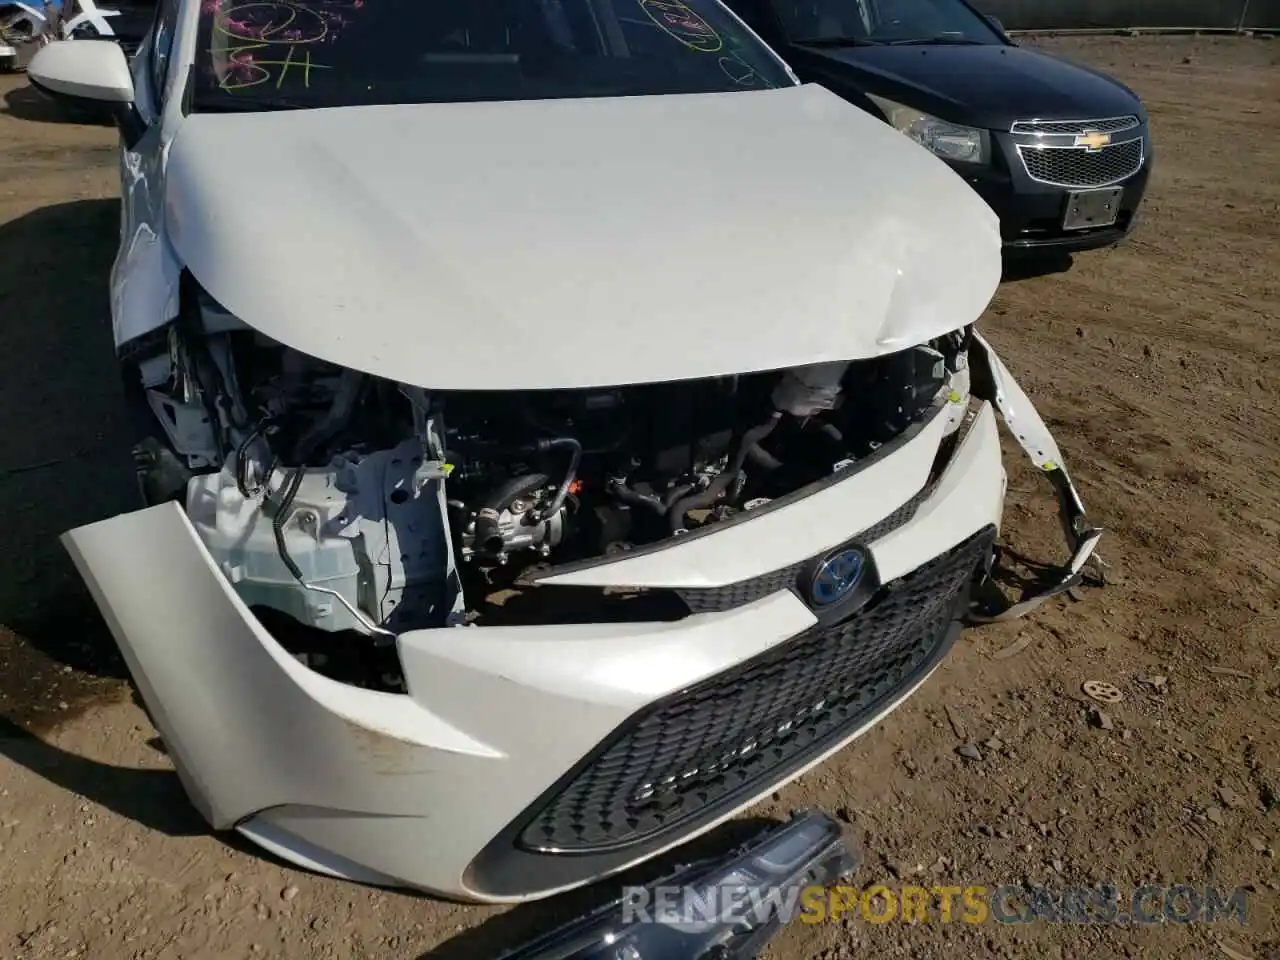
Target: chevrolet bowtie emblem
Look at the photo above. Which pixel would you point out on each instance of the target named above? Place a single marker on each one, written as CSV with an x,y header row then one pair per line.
x,y
1093,140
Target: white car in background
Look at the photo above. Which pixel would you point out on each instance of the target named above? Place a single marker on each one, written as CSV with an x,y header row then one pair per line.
x,y
556,424
25,27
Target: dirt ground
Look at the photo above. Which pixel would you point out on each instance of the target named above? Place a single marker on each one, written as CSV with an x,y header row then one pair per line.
x,y
1156,365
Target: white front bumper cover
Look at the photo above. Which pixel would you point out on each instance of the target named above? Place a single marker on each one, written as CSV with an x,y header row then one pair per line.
x,y
433,789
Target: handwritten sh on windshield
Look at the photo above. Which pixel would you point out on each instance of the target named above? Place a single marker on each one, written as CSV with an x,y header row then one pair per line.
x,y
269,42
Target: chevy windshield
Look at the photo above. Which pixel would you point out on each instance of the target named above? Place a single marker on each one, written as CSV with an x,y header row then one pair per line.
x,y
323,53
833,22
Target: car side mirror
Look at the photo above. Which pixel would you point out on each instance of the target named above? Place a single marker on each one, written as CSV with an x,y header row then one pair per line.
x,y
90,73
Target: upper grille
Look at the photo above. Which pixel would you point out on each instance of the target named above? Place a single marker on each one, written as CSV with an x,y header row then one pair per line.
x,y
1078,167
709,599
1059,127
751,726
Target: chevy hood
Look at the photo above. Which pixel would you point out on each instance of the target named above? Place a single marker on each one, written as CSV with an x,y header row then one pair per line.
x,y
573,243
989,85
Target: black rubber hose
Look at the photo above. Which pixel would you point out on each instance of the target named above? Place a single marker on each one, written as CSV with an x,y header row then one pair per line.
x,y
750,441
531,418
242,460
307,446
674,494
282,512
762,458
620,490
242,464
305,449
488,538
750,447
705,498
570,474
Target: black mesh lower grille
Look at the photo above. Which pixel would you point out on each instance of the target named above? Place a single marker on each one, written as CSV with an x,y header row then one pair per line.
x,y
742,730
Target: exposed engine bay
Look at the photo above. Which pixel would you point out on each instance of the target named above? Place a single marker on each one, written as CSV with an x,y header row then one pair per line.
x,y
347,502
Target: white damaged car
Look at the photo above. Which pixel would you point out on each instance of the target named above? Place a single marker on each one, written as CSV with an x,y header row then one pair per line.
x,y
558,426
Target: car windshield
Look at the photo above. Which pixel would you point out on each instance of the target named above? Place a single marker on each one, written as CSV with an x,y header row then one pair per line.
x,y
324,53
833,22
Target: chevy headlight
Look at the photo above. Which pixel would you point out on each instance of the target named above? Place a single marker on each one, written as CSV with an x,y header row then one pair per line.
x,y
950,141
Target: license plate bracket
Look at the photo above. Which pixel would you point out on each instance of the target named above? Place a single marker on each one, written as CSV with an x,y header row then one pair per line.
x,y
1087,209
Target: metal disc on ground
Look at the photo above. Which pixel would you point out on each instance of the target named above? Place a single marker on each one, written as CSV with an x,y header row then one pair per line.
x,y
1102,691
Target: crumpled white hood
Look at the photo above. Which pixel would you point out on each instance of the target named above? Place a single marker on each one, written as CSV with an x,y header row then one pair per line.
x,y
572,243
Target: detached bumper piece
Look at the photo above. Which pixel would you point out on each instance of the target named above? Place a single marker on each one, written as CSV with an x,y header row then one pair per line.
x,y
992,381
743,892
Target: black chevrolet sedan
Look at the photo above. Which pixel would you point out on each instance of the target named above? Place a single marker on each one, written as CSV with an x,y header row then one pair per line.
x,y
1060,152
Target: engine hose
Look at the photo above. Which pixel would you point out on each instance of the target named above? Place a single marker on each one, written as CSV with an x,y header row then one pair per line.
x,y
537,423
488,538
619,490
277,522
242,460
751,442
570,474
674,494
750,447
715,489
242,465
762,458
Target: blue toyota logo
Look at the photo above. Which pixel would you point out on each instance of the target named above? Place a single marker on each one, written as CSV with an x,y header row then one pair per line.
x,y
836,577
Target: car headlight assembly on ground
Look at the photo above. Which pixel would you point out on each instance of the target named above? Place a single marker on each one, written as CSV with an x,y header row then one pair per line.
x,y
727,909
950,141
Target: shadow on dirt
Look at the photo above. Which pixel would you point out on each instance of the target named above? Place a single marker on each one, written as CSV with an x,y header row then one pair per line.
x,y
28,103
64,452
154,798
517,926
1020,574
1016,577
1029,266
